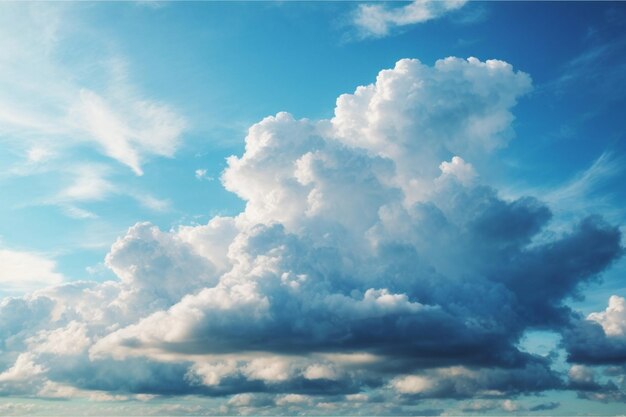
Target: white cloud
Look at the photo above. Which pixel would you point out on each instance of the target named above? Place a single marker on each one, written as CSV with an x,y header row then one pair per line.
x,y
24,369
157,265
77,212
368,256
510,406
357,397
241,400
54,390
269,369
320,371
377,20
69,340
23,271
212,373
92,182
292,399
89,184
212,241
127,133
151,202
202,174
412,384
410,117
458,169
117,119
582,374
38,154
613,319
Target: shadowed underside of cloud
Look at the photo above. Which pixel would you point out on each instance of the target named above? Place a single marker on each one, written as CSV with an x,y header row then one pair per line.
x,y
600,339
369,257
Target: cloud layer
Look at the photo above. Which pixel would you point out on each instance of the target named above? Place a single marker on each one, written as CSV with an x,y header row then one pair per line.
x,y
370,265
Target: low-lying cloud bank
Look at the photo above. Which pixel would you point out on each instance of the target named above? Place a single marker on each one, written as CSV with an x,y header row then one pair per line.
x,y
370,265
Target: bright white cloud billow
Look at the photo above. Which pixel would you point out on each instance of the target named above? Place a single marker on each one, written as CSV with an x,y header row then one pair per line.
x,y
613,319
368,257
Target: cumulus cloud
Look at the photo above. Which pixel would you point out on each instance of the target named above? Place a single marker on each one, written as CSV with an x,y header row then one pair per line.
x,y
377,20
600,338
596,345
69,340
459,169
613,319
368,257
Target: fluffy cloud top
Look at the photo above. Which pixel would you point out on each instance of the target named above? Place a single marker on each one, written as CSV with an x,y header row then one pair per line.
x,y
613,319
368,257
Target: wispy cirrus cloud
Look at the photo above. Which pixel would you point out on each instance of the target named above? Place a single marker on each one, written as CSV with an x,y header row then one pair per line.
x,y
591,190
95,182
380,19
69,111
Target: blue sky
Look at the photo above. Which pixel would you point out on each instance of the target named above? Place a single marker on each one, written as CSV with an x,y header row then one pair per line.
x,y
311,196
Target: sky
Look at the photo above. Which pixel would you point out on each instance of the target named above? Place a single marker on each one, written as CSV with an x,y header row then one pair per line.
x,y
326,208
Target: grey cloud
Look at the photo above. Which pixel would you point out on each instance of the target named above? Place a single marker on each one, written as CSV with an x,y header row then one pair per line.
x,y
552,405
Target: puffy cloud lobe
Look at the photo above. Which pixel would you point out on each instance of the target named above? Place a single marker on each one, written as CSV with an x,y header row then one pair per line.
x,y
157,267
367,256
418,115
613,319
68,340
458,168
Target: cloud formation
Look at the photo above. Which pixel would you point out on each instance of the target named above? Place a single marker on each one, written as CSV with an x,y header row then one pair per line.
x,y
369,258
600,338
377,20
109,114
26,271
